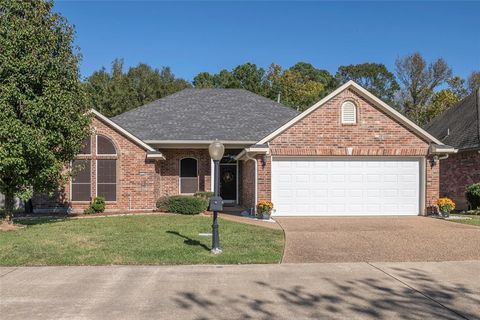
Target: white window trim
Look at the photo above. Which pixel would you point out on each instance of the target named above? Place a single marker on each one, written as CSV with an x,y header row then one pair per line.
x,y
344,104
105,155
180,176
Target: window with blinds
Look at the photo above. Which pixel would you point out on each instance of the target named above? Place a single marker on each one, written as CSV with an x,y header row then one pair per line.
x,y
349,113
107,179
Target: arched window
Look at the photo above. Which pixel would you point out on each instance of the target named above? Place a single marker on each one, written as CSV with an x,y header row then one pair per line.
x,y
349,113
106,169
105,146
188,175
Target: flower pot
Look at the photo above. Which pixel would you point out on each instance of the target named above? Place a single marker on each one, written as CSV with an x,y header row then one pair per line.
x,y
445,214
266,216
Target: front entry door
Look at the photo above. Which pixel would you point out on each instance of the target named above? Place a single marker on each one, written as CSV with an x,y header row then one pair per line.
x,y
228,182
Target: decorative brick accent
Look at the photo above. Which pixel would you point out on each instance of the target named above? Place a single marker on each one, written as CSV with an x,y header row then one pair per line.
x,y
456,173
321,133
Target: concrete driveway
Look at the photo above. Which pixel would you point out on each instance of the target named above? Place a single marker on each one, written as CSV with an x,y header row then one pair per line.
x,y
355,239
432,290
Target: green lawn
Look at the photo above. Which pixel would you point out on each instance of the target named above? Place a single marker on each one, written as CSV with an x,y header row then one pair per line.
x,y
168,239
474,221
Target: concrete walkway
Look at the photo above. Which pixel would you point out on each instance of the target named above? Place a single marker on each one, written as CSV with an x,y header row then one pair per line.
x,y
360,239
434,290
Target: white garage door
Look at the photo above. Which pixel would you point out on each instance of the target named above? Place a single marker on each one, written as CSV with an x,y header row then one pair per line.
x,y
334,187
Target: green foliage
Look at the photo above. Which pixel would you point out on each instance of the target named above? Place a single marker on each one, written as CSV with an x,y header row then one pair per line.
x,y
187,204
97,206
473,195
162,203
117,91
204,194
374,77
441,101
308,72
42,105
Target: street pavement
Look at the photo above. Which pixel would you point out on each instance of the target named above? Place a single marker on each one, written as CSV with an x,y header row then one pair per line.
x,y
413,290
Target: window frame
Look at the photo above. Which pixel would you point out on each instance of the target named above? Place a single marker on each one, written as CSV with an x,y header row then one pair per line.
x,y
180,176
355,111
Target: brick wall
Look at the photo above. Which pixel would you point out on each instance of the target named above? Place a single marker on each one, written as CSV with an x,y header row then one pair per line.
x,y
456,173
321,133
170,169
247,183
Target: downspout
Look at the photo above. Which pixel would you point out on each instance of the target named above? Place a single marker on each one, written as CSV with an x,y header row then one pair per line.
x,y
256,179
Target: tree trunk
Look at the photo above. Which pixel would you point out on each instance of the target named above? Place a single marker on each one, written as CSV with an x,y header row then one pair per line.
x,y
9,204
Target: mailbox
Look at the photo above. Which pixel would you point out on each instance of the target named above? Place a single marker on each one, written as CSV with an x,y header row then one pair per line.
x,y
216,204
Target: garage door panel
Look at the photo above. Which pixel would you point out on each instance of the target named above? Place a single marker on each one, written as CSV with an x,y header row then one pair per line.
x,y
345,187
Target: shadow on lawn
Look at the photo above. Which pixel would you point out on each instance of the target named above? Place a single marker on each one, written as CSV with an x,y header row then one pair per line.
x,y
339,299
189,241
32,221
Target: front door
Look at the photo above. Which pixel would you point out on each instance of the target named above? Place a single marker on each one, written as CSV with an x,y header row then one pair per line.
x,y
228,182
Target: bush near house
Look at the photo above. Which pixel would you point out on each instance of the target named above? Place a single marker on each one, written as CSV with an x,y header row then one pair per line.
x,y
204,194
97,206
183,204
473,195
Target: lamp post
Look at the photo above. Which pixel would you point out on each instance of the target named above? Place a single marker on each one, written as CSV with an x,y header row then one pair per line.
x,y
216,150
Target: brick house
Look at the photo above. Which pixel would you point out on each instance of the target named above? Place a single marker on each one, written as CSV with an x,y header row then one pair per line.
x,y
459,127
348,154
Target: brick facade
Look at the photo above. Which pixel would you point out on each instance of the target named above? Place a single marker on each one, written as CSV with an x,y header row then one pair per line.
x,y
169,183
247,184
456,173
321,133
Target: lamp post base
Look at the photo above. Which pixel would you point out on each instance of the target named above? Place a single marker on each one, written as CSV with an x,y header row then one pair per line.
x,y
216,251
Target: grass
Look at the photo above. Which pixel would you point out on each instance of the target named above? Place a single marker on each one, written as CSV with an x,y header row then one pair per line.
x,y
474,221
168,239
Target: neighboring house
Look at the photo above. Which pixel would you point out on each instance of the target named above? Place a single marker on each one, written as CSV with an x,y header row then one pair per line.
x,y
459,127
349,154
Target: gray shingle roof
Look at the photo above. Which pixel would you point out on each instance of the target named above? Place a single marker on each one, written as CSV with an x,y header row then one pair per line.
x,y
206,114
462,120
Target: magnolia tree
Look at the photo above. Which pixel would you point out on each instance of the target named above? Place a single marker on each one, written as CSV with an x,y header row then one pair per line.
x,y
43,114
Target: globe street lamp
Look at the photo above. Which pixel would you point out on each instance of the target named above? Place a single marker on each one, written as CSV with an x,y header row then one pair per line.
x,y
216,150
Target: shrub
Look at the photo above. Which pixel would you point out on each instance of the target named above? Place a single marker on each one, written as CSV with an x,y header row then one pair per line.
x,y
265,207
97,205
473,195
162,203
204,194
187,204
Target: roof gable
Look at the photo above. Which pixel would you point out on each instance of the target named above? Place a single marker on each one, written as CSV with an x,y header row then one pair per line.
x,y
459,126
151,152
369,97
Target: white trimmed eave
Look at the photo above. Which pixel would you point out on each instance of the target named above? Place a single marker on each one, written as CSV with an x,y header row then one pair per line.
x,y
151,152
251,152
369,96
196,144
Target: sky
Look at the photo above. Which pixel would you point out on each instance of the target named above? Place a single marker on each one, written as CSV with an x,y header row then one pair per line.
x,y
193,37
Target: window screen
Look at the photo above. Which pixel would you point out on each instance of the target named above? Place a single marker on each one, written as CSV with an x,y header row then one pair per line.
x,y
107,179
188,176
81,180
87,146
105,146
